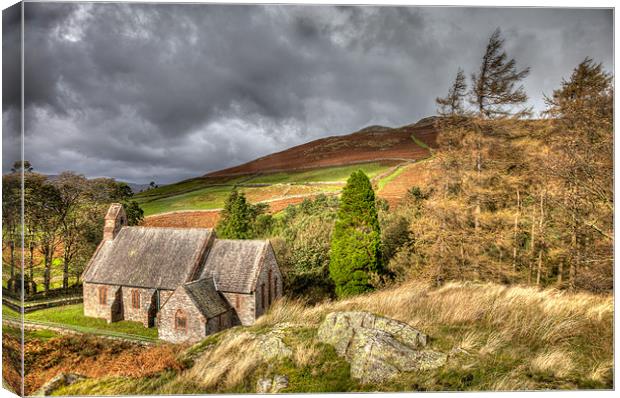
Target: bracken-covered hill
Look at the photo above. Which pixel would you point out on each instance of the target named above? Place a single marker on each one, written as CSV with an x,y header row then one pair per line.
x,y
374,143
290,176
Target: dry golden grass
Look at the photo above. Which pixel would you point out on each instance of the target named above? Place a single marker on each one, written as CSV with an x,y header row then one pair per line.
x,y
493,343
498,337
549,315
601,370
469,342
305,354
556,362
512,382
546,331
226,364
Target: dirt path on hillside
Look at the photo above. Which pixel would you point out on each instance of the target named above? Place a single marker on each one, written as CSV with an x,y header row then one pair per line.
x,y
416,174
393,192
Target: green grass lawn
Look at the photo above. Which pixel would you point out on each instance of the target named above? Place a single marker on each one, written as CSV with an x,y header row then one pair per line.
x,y
389,178
327,174
201,199
188,195
186,186
73,315
8,312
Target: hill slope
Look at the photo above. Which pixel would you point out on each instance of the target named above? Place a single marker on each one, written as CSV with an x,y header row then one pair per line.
x,y
286,177
370,144
496,338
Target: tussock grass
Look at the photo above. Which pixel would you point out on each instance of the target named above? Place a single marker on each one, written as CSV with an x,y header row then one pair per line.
x,y
469,342
305,355
545,338
541,316
497,337
601,371
226,364
557,363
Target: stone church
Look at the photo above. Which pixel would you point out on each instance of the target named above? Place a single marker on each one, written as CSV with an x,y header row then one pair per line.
x,y
184,281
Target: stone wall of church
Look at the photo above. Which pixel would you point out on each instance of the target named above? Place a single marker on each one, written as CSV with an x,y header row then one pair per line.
x,y
103,301
268,284
244,305
139,305
180,305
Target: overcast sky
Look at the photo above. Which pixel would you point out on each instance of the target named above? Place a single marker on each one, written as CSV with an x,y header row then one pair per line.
x,y
145,92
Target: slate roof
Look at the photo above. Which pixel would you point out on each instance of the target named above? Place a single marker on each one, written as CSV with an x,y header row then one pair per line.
x,y
162,258
206,298
234,264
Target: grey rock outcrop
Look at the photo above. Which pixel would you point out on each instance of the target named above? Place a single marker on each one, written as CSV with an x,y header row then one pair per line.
x,y
271,384
377,348
271,344
58,381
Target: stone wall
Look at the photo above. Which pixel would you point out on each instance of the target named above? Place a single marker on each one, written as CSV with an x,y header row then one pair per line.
x,y
111,311
195,322
244,307
164,295
145,313
221,322
270,288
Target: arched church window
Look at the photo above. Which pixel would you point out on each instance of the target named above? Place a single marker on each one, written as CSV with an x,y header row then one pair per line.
x,y
103,295
135,299
180,321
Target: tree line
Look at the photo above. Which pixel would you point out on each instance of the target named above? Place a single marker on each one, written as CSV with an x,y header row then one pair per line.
x,y
62,222
325,246
512,199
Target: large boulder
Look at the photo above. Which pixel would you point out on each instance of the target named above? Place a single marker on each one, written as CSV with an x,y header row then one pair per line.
x,y
377,348
271,344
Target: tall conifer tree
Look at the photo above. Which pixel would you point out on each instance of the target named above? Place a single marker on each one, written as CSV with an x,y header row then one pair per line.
x,y
494,87
356,243
237,218
452,104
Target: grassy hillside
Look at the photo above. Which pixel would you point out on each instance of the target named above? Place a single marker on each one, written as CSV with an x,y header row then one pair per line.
x,y
373,143
376,150
497,338
328,174
212,197
207,193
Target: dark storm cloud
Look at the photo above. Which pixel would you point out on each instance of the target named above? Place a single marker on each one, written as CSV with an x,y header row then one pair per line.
x,y
163,92
11,33
11,85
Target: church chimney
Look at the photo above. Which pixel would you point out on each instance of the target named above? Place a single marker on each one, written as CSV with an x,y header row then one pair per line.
x,y
115,219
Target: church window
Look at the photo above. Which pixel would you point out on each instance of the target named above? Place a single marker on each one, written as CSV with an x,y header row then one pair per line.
x,y
262,295
135,299
103,295
180,321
